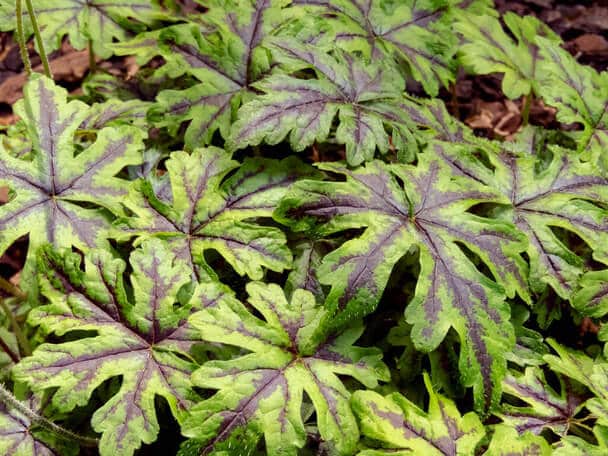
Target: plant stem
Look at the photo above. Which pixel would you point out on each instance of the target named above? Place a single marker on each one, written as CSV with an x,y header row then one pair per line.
x,y
38,37
25,57
12,355
7,397
92,63
23,342
13,290
525,112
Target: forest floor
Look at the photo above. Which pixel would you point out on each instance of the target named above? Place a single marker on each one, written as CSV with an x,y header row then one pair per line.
x,y
478,101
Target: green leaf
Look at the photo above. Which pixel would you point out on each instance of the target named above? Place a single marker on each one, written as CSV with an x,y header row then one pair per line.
x,y
203,209
263,389
576,446
508,441
580,95
354,90
592,373
489,49
135,329
400,427
20,436
101,21
426,206
225,55
591,298
48,192
547,409
419,33
563,192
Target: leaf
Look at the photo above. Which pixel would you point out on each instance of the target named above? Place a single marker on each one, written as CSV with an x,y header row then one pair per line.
x,y
263,389
428,210
489,49
507,441
205,210
366,97
547,409
398,426
226,55
19,436
589,372
563,193
591,298
575,446
308,257
101,21
136,330
50,193
417,32
580,95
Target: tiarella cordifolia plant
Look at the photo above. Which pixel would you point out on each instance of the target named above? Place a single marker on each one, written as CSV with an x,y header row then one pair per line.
x,y
276,240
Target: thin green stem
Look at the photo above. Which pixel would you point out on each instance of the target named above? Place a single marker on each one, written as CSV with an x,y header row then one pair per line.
x,y
7,397
38,37
25,57
12,289
24,344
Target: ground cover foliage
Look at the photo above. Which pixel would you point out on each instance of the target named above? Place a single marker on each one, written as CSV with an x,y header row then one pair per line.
x,y
265,243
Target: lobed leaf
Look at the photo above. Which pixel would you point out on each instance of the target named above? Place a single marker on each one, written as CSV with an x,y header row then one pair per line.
x,y
98,21
262,390
489,49
204,210
508,441
398,426
136,330
50,193
425,206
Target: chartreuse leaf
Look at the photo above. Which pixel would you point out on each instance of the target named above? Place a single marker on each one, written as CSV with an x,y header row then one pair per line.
x,y
135,329
592,373
507,441
575,446
580,95
226,54
416,32
591,298
205,210
563,193
426,206
304,109
48,192
100,21
488,49
547,409
398,426
262,390
20,436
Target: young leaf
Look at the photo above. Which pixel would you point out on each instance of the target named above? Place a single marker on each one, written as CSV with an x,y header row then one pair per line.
x,y
428,210
100,21
226,54
401,427
204,210
488,49
417,32
580,95
47,193
508,441
547,409
263,390
136,330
